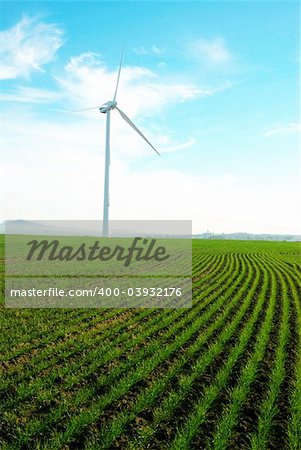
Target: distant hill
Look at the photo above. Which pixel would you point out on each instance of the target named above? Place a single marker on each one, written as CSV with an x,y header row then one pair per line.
x,y
31,227
250,237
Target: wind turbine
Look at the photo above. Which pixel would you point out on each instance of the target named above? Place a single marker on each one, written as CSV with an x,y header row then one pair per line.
x,y
106,108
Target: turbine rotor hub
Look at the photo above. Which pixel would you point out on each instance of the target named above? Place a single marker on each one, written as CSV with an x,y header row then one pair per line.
x,y
108,106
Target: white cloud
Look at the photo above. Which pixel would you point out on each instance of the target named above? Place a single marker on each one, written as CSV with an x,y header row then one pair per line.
x,y
54,166
67,183
23,94
283,129
153,50
212,52
88,81
165,142
27,46
142,95
53,169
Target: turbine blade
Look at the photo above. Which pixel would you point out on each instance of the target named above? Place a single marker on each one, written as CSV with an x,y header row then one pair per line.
x,y
65,111
128,120
70,111
118,76
87,109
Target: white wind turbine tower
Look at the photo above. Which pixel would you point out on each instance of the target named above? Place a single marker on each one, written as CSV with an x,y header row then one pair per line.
x,y
106,108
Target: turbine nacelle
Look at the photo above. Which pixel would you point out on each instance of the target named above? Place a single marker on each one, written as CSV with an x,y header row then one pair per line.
x,y
108,106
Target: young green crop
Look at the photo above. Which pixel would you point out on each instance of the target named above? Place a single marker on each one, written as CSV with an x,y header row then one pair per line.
x,y
105,439
158,354
268,410
238,395
103,354
179,379
198,416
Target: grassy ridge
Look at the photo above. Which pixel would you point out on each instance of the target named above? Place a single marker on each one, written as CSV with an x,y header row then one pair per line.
x,y
224,374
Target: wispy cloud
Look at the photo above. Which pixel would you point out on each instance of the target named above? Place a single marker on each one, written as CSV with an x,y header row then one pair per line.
x,y
28,95
27,46
167,146
284,129
212,52
87,79
153,50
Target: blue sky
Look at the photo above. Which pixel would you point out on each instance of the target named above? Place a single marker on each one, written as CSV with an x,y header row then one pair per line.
x,y
214,85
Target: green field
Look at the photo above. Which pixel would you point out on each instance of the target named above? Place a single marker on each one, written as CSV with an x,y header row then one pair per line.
x,y
224,374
